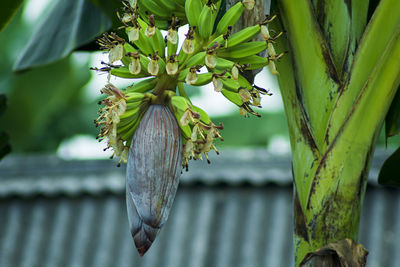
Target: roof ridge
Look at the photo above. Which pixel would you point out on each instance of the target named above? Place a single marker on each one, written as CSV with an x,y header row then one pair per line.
x,y
50,175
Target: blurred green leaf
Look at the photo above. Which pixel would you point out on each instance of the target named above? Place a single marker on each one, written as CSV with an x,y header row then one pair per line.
x,y
3,103
191,90
110,7
251,131
392,123
390,172
5,146
69,25
45,102
8,10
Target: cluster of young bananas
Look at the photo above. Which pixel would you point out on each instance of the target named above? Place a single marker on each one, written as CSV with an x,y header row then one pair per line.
x,y
208,45
163,11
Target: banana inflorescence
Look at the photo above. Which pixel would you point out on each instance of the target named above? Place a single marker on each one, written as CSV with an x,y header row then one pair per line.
x,y
150,51
152,124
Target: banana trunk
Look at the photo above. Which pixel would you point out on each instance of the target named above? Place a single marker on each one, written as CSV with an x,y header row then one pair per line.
x,y
337,83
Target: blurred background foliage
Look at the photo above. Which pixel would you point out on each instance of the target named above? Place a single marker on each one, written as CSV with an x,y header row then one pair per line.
x,y
44,104
53,101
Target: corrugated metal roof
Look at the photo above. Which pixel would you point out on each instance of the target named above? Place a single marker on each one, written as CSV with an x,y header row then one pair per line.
x,y
74,215
208,226
49,175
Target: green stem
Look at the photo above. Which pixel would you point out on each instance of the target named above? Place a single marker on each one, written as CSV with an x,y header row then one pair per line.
x,y
333,133
165,83
182,91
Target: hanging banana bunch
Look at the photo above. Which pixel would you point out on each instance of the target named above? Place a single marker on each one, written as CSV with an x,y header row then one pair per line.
x,y
152,124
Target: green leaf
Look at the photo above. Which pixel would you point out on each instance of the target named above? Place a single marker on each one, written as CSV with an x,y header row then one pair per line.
x,y
337,35
46,105
240,130
8,10
69,25
392,124
3,103
390,171
109,7
379,38
309,46
359,18
5,146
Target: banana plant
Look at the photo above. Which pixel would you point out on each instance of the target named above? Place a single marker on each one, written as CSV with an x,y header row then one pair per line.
x,y
337,82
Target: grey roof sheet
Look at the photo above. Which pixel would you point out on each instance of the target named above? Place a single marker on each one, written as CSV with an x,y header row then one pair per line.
x,y
208,226
72,213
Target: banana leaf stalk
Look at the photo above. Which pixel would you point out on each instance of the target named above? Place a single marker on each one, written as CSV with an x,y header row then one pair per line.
x,y
337,82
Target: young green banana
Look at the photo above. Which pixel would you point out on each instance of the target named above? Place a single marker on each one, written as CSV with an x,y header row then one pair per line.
x,y
224,64
126,122
244,83
143,43
207,19
156,65
134,100
154,8
243,50
127,132
182,74
137,63
133,97
230,17
172,48
169,5
203,115
253,62
142,86
162,23
128,49
203,79
123,72
243,36
158,43
192,9
172,38
131,113
230,85
195,60
232,97
180,105
156,39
